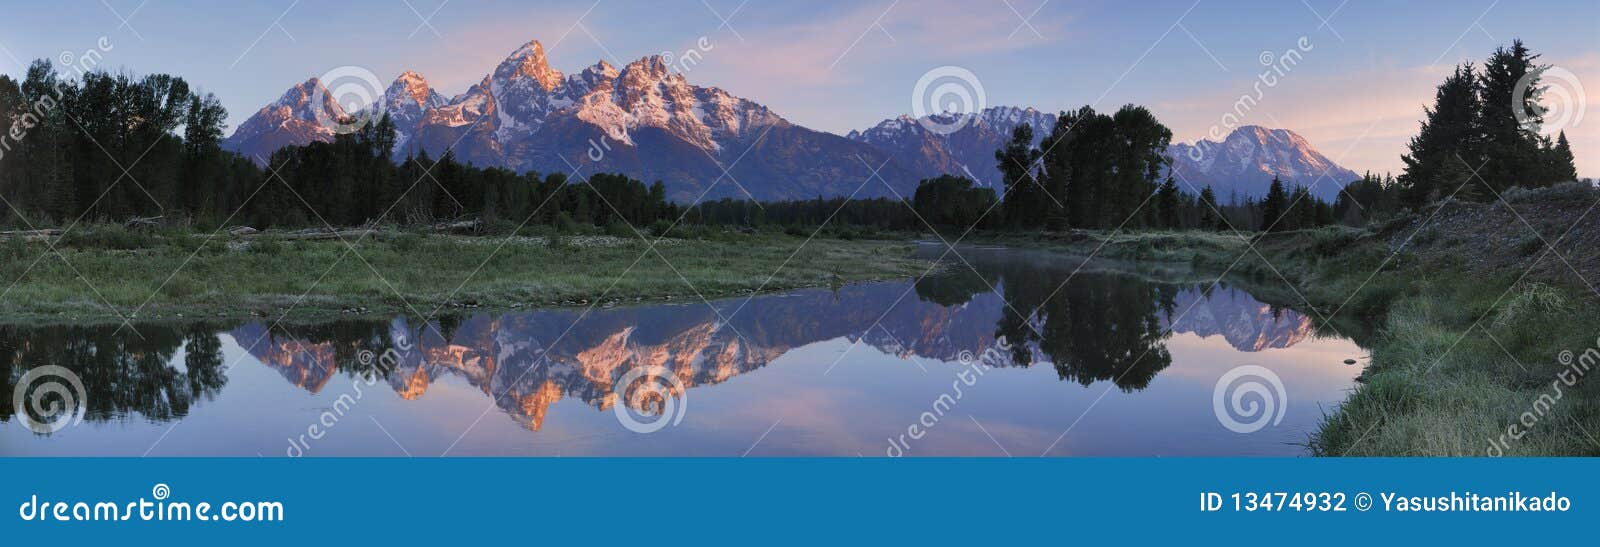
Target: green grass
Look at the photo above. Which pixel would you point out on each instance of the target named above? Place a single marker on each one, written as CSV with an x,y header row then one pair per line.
x,y
1460,359
1458,356
1456,373
123,271
1143,246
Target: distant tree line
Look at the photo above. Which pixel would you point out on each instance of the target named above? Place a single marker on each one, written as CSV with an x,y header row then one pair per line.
x,y
352,180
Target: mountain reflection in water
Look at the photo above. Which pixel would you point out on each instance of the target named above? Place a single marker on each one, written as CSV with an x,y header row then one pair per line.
x,y
1097,328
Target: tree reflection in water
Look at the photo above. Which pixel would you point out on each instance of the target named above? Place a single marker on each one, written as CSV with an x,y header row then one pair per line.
x,y
1099,327
123,373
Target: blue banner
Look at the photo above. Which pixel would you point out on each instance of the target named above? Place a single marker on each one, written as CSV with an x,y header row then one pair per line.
x,y
820,501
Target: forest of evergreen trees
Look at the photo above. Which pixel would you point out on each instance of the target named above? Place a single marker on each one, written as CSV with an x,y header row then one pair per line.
x,y
107,146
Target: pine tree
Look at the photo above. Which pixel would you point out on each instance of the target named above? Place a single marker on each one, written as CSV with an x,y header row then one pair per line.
x,y
1509,94
1449,137
1167,200
1207,204
1273,208
1559,162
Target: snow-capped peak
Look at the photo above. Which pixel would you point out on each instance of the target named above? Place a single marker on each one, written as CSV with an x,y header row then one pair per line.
x,y
413,86
529,62
997,119
653,67
1249,157
298,102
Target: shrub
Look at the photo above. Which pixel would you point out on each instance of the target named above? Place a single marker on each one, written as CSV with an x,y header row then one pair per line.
x,y
408,242
1566,191
619,229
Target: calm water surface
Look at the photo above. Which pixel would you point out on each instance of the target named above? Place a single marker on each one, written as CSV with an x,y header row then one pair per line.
x,y
1017,361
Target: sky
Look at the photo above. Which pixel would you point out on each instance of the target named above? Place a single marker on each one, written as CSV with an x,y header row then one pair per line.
x,y
1364,72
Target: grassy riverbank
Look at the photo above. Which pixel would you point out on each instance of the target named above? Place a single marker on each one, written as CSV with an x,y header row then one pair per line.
x,y
1481,331
103,273
1482,319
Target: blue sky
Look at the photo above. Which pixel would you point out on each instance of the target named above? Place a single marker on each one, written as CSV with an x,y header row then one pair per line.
x,y
832,65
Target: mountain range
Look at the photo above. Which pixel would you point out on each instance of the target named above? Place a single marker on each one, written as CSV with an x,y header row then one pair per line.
x,y
648,122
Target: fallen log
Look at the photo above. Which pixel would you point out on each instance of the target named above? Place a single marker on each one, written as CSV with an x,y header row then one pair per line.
x,y
31,234
143,222
312,235
459,227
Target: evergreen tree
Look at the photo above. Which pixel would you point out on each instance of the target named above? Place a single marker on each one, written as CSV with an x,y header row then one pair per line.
x,y
1167,205
1450,136
1207,204
1274,207
1559,163
1509,94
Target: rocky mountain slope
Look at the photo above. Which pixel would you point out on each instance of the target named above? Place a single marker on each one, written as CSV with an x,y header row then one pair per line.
x,y
1246,161
1243,163
642,119
649,122
968,151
